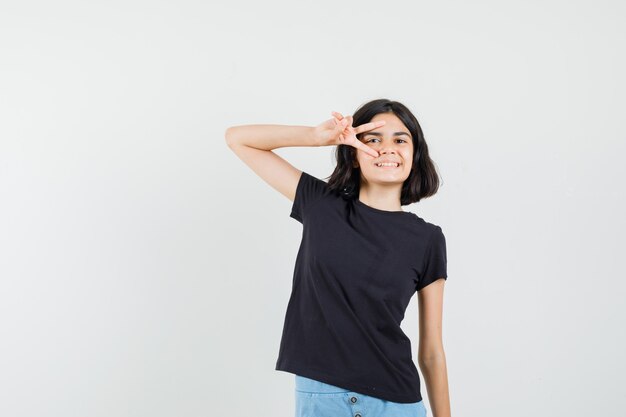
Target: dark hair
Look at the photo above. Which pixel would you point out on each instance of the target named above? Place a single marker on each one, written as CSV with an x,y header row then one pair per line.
x,y
422,182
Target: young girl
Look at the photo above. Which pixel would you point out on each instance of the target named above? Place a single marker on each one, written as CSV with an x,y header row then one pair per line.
x,y
360,261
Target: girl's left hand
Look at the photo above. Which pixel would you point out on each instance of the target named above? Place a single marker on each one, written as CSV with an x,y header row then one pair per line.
x,y
348,135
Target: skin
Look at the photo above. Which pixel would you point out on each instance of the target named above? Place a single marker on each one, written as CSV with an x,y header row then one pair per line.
x,y
431,356
254,145
381,186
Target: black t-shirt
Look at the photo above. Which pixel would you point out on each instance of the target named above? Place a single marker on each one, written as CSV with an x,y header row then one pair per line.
x,y
355,273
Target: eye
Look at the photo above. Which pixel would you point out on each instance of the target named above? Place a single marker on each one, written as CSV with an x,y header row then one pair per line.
x,y
368,140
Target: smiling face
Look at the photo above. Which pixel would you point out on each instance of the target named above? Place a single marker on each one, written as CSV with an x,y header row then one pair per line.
x,y
395,147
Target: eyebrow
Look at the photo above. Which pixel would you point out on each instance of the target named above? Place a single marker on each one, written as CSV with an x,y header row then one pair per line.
x,y
380,134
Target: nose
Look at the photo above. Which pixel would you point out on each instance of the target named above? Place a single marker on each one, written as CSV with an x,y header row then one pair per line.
x,y
386,150
387,147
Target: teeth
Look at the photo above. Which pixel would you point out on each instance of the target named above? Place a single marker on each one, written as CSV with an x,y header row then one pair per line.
x,y
388,164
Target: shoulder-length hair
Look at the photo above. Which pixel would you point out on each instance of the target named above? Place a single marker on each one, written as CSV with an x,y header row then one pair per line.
x,y
422,182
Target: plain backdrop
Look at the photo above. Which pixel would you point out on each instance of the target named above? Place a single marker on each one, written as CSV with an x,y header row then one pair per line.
x,y
145,270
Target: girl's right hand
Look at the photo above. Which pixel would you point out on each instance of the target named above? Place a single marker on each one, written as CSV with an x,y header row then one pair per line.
x,y
339,131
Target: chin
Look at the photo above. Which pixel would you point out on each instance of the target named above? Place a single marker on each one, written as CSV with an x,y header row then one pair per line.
x,y
386,179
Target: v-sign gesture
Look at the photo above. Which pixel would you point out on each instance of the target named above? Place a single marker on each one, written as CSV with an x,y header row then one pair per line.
x,y
339,131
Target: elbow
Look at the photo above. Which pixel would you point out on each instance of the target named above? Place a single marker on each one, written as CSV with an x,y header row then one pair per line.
x,y
228,136
431,358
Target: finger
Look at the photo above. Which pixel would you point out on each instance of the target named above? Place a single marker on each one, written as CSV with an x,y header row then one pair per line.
x,y
339,124
369,126
337,115
368,150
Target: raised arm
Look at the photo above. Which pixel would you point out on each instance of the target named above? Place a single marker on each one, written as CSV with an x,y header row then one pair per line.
x,y
253,144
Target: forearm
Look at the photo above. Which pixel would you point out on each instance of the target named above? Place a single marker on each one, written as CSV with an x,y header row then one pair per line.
x,y
268,137
435,374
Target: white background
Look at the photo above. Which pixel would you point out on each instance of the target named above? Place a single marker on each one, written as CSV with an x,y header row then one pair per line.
x,y
145,270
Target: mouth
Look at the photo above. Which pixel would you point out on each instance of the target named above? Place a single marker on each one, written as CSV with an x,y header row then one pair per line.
x,y
388,165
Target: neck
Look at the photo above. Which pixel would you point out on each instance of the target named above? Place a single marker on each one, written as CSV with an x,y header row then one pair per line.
x,y
380,197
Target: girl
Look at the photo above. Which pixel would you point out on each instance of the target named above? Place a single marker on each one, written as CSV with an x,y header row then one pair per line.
x,y
360,261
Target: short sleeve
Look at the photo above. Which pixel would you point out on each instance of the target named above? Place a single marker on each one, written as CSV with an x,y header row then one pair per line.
x,y
309,190
435,260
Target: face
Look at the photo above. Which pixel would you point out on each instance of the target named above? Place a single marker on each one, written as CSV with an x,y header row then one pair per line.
x,y
394,144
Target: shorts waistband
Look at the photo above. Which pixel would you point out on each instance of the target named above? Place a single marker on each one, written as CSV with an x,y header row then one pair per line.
x,y
311,385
